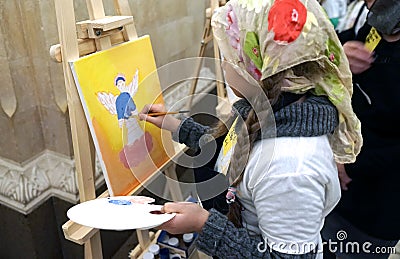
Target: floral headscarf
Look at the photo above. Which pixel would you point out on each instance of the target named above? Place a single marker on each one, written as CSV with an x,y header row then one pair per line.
x,y
265,37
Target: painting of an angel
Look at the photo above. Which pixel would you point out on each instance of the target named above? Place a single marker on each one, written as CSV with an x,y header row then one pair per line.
x,y
113,86
137,144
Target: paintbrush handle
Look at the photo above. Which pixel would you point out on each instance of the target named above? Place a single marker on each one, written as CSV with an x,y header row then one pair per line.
x,y
153,114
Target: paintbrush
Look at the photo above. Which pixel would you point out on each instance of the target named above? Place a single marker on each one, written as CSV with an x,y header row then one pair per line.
x,y
154,114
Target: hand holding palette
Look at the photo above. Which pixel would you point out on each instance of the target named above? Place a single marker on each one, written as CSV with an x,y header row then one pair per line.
x,y
119,213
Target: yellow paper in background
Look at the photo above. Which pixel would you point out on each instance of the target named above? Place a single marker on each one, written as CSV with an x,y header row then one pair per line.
x,y
372,40
129,149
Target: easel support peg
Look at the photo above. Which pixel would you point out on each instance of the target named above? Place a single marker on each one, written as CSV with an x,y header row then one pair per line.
x,y
94,29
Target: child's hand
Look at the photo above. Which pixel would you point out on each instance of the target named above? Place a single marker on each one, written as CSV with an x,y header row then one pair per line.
x,y
190,217
164,122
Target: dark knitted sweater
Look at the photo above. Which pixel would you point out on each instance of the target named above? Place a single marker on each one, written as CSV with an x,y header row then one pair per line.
x,y
315,116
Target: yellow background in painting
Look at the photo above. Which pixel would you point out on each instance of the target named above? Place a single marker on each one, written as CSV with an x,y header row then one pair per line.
x,y
96,73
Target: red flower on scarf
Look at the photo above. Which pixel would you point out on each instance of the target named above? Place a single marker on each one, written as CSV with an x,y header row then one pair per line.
x,y
286,19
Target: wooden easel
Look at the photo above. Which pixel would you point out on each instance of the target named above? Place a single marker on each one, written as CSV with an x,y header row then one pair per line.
x,y
207,37
77,40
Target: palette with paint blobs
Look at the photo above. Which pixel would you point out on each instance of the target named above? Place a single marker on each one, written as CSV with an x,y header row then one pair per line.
x,y
119,213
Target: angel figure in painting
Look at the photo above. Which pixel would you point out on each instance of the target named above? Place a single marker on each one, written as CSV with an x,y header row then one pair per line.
x,y
125,108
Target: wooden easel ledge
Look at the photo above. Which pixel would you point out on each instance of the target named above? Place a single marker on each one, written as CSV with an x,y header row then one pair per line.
x,y
78,233
90,30
95,29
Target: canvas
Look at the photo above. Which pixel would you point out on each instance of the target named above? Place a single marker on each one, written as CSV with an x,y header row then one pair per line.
x,y
113,86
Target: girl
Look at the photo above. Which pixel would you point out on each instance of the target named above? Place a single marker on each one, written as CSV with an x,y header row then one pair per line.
x,y
281,56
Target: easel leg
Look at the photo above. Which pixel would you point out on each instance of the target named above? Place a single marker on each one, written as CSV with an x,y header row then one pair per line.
x,y
173,183
207,37
143,238
93,248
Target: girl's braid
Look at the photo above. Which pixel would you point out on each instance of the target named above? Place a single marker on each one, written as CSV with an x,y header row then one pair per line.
x,y
247,134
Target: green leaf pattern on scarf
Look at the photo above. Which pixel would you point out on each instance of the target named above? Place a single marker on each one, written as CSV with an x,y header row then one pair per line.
x,y
252,49
332,52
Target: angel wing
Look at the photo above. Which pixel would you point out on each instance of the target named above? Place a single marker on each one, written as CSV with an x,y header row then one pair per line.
x,y
134,85
108,101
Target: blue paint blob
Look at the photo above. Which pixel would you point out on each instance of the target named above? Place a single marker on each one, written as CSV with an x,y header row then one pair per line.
x,y
120,202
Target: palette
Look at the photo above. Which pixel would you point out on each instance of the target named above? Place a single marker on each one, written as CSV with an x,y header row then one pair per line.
x,y
119,213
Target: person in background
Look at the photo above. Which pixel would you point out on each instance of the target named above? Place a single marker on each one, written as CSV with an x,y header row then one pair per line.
x,y
335,9
355,18
368,212
293,121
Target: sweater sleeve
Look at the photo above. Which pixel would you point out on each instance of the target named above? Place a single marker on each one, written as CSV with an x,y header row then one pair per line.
x,y
220,238
190,133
